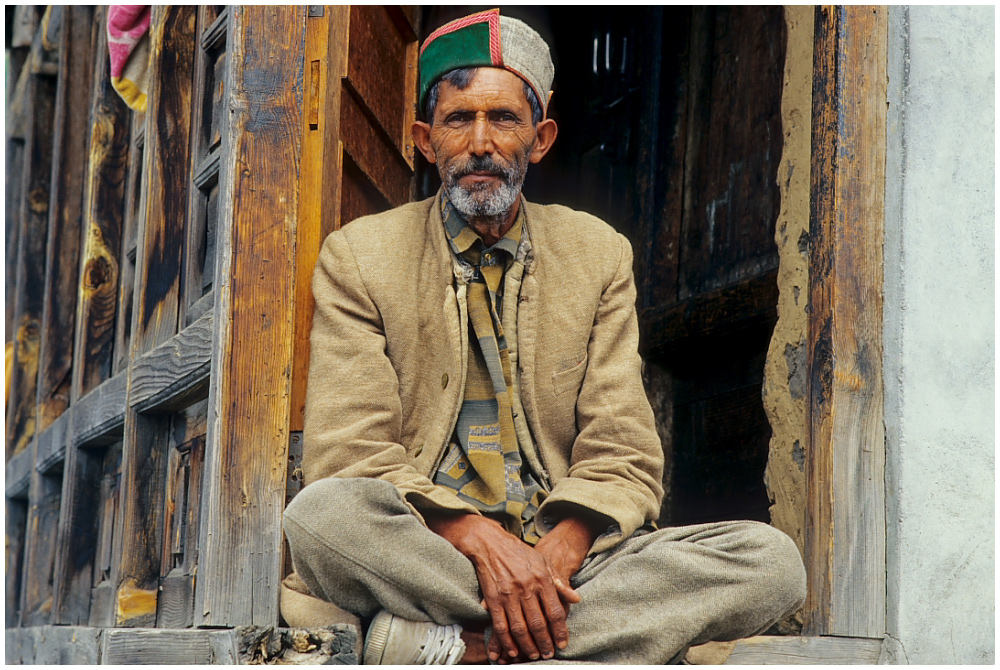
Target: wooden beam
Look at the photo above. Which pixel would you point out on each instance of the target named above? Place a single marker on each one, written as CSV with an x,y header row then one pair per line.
x,y
44,498
17,475
98,417
30,274
13,186
50,444
52,645
77,538
176,372
845,457
167,168
791,650
102,228
69,158
138,536
15,525
249,410
160,646
319,177
138,533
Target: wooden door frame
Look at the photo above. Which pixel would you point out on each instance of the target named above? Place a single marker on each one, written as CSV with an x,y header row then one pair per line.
x,y
845,522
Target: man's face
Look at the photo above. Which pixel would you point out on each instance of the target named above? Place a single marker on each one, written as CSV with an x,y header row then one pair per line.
x,y
482,140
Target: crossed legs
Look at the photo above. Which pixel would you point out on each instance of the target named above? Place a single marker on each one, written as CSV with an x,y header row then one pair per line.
x,y
356,544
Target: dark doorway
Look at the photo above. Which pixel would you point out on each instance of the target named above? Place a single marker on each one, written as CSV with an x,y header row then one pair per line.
x,y
670,130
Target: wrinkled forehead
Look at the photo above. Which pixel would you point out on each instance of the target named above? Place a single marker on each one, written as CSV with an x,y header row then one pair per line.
x,y
487,88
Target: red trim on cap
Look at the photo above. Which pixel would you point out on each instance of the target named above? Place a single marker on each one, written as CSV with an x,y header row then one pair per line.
x,y
490,16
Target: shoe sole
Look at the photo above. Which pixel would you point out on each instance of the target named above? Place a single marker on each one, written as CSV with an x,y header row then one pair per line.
x,y
378,637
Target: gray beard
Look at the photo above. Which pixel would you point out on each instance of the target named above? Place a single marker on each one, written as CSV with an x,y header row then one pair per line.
x,y
485,202
471,204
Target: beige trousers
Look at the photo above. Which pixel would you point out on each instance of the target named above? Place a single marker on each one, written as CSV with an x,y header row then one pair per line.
x,y
356,544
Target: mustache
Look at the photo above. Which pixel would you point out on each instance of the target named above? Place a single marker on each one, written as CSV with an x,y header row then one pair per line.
x,y
484,164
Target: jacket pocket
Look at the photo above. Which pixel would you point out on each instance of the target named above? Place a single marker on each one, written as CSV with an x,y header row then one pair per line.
x,y
570,379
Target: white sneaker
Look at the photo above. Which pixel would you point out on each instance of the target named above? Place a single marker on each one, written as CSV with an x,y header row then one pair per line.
x,y
395,641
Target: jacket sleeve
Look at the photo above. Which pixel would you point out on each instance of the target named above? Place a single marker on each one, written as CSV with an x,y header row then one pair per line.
x,y
353,417
616,466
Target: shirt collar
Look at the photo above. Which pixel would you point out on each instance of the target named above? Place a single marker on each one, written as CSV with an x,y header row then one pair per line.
x,y
462,237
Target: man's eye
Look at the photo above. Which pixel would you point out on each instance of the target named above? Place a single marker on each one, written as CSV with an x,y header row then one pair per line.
x,y
455,119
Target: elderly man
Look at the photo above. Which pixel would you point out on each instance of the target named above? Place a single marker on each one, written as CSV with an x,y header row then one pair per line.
x,y
482,465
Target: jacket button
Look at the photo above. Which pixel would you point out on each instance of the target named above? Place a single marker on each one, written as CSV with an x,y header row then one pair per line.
x,y
444,381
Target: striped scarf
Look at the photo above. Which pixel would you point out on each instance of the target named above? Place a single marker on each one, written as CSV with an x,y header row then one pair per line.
x,y
483,463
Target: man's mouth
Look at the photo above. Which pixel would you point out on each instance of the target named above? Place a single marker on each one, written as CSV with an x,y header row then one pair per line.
x,y
481,177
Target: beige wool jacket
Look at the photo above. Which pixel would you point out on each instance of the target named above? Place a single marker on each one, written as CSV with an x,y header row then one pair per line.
x,y
389,355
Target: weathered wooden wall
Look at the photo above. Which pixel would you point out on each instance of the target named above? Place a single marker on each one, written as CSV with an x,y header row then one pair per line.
x,y
132,236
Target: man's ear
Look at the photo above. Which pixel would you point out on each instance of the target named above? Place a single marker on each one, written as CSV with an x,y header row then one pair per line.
x,y
422,138
545,136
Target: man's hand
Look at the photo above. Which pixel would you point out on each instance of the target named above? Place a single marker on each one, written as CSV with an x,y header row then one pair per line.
x,y
565,547
523,595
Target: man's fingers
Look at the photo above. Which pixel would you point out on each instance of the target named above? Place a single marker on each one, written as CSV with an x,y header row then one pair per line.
x,y
501,628
556,615
538,627
566,592
520,631
494,649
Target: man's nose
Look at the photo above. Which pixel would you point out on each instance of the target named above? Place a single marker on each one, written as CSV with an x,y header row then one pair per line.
x,y
481,142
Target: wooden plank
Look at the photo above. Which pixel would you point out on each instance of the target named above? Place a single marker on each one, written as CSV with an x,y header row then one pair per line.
x,y
240,538
161,646
135,212
17,476
167,158
319,177
34,204
53,645
13,186
138,536
373,152
175,604
15,525
360,196
50,444
25,26
44,499
79,519
764,650
19,104
98,417
175,372
103,214
377,68
69,157
206,117
845,458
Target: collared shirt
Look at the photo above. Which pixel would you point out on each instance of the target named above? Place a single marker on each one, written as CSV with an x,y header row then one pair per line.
x,y
483,463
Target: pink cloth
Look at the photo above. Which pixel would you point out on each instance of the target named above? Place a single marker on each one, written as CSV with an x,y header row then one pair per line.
x,y
126,26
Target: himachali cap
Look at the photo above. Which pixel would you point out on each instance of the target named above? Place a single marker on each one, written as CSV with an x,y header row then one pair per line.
x,y
487,39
